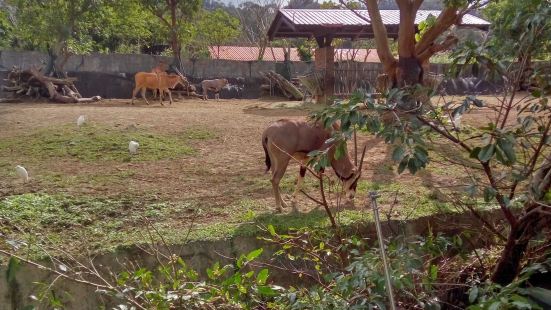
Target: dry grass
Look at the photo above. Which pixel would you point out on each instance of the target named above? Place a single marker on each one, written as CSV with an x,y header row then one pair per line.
x,y
199,161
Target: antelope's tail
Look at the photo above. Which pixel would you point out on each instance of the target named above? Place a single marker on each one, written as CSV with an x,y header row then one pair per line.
x,y
265,146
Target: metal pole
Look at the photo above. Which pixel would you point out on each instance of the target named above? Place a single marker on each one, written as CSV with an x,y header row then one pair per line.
x,y
373,196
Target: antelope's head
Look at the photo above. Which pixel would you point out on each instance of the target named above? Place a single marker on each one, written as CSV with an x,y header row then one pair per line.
x,y
182,79
351,182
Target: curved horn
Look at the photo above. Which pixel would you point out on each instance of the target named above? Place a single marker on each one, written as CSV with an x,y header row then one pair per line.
x,y
362,159
178,72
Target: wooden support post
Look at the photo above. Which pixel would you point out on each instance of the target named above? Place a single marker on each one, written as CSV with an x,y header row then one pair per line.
x,y
325,61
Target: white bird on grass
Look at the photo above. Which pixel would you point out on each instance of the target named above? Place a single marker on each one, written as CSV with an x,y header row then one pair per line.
x,y
133,147
22,172
81,120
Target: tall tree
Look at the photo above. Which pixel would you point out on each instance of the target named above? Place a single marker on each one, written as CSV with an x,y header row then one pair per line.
x,y
6,28
174,16
218,27
510,20
59,27
412,55
125,27
256,18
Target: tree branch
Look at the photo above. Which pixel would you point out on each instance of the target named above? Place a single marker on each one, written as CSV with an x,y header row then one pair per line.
x,y
406,31
381,37
499,196
435,48
446,18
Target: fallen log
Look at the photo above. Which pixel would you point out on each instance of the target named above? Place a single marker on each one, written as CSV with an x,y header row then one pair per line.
x,y
32,82
287,88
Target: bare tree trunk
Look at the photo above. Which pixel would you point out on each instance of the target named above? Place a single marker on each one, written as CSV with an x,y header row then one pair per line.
x,y
381,38
526,229
535,220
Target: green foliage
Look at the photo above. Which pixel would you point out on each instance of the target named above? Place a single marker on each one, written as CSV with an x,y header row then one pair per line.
x,y
517,295
175,285
424,26
59,26
305,50
360,284
520,26
175,20
125,27
410,147
6,29
217,27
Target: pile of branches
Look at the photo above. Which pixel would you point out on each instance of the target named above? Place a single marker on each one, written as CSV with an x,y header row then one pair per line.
x,y
34,84
277,81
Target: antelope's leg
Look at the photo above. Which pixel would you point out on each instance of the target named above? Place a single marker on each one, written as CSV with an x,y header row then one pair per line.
x,y
279,166
143,95
300,180
161,91
134,93
169,95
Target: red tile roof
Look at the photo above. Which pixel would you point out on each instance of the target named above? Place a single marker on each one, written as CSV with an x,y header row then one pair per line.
x,y
250,53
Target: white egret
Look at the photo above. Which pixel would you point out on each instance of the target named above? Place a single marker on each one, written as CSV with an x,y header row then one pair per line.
x,y
81,120
22,172
133,147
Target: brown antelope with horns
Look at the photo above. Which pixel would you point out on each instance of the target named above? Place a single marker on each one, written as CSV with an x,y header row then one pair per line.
x,y
287,139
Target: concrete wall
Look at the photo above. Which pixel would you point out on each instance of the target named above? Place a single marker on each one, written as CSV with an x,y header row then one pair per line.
x,y
132,63
111,75
200,255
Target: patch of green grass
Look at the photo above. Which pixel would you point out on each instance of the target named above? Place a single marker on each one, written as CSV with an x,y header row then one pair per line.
x,y
408,200
198,134
97,224
95,143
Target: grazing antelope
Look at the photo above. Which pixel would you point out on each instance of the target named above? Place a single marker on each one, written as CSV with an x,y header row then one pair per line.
x,y
213,85
286,138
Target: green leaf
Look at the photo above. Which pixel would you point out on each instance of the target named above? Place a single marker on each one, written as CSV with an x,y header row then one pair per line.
x,y
507,147
473,294
413,165
540,294
262,276
489,193
271,229
267,291
13,267
495,306
398,153
486,153
403,164
254,254
474,153
433,272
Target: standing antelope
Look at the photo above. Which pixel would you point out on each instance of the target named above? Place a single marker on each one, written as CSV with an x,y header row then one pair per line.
x,y
285,138
213,85
161,81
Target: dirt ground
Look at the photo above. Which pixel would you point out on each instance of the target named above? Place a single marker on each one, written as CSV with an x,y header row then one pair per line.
x,y
223,176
